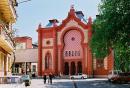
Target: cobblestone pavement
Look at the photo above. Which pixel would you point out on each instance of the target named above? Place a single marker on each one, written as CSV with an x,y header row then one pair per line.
x,y
38,83
66,83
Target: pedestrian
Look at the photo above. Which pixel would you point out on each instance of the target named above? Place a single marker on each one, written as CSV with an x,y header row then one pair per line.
x,y
50,78
44,77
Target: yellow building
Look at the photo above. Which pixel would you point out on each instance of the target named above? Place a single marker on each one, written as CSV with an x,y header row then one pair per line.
x,y
7,18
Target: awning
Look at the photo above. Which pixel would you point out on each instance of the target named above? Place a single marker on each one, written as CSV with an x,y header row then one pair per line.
x,y
5,45
7,11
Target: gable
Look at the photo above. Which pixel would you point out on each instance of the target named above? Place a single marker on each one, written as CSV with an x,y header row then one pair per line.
x,y
72,23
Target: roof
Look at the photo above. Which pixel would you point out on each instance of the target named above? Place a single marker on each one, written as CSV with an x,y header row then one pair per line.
x,y
77,16
27,37
26,55
52,23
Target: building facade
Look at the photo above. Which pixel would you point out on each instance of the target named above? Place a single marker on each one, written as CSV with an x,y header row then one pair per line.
x,y
26,56
23,42
8,16
64,49
26,61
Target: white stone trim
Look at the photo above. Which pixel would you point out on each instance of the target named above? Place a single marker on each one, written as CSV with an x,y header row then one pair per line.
x,y
73,23
47,39
94,64
105,63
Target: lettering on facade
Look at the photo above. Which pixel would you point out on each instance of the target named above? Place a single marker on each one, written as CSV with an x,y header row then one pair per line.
x,y
71,53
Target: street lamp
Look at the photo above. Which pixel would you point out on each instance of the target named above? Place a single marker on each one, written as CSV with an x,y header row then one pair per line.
x,y
22,2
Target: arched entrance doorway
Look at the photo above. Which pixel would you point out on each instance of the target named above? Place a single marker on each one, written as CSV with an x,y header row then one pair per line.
x,y
66,68
72,50
79,67
73,71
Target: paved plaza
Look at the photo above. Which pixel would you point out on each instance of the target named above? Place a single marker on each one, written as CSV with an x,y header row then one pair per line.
x,y
67,83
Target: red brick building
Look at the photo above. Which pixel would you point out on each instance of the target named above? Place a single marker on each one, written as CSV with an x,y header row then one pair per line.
x,y
26,57
23,42
64,49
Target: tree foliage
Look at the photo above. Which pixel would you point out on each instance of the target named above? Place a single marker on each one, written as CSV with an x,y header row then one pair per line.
x,y
112,30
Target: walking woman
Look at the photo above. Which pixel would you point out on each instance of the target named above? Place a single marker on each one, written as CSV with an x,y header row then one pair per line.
x,y
44,77
50,78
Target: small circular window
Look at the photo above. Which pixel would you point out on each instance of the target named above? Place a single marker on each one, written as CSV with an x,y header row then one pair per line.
x,y
48,42
72,38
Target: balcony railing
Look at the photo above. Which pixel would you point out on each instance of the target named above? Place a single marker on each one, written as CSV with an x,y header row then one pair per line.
x,y
5,36
12,5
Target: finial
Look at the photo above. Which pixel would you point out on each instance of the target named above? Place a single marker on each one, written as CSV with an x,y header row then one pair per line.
x,y
89,20
72,6
54,22
39,26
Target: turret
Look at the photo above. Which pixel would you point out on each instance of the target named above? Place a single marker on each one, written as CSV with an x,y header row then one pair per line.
x,y
52,23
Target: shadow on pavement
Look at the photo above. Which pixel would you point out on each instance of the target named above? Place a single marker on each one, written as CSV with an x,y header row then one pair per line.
x,y
100,84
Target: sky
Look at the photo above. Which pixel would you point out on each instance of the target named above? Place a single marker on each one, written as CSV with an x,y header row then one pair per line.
x,y
33,12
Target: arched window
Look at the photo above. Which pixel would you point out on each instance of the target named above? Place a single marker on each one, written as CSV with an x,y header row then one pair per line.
x,y
48,61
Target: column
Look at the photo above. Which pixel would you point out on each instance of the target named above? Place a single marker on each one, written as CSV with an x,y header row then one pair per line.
x,y
89,61
55,52
62,63
69,68
60,68
39,53
0,63
25,67
76,68
5,65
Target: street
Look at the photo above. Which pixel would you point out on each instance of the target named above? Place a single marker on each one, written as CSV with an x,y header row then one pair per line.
x,y
66,83
98,83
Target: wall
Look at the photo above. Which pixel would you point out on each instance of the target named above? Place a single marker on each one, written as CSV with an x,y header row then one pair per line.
x,y
23,42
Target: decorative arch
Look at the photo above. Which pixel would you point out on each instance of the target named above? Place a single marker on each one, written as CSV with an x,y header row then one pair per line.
x,y
82,46
68,29
72,46
48,61
79,67
73,68
66,70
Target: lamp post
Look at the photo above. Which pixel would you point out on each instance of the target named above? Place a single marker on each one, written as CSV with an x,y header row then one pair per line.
x,y
22,2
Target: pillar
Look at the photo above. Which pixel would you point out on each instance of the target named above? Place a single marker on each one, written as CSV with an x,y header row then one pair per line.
x,y
25,65
76,68
39,53
89,63
83,61
5,65
55,60
59,62
69,68
62,64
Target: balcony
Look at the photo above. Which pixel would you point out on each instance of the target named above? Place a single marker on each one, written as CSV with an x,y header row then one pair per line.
x,y
7,10
5,41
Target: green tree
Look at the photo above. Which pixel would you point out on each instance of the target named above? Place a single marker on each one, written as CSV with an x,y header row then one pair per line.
x,y
112,30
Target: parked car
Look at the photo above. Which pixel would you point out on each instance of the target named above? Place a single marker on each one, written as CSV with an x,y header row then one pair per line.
x,y
79,76
26,79
118,76
113,74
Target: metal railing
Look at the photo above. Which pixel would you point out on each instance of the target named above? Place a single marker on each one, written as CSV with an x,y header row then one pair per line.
x,y
5,35
10,80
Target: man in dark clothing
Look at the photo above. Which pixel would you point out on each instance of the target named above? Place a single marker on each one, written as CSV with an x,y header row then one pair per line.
x,y
44,77
50,78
